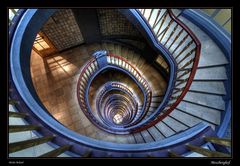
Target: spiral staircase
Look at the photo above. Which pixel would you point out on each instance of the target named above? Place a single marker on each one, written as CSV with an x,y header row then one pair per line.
x,y
123,105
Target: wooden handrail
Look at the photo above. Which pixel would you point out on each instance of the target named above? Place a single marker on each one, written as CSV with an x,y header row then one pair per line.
x,y
190,79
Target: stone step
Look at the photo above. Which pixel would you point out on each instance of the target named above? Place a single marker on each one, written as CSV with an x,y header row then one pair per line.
x,y
211,115
174,124
121,138
216,87
165,130
187,119
154,105
146,136
155,133
130,55
213,101
213,73
131,139
141,63
157,99
138,138
104,46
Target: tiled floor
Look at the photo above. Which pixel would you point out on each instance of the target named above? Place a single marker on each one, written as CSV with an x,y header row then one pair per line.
x,y
55,80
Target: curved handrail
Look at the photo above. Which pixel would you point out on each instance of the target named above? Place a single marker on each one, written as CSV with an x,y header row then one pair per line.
x,y
139,20
195,63
87,73
171,106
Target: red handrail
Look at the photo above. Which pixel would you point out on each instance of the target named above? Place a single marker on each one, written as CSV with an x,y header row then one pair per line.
x,y
192,74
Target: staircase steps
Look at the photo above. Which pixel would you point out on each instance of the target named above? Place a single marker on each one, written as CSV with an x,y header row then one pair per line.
x,y
165,130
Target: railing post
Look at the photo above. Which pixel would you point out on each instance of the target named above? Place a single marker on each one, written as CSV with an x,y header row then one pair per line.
x,y
13,102
16,146
101,57
17,114
206,152
219,141
20,128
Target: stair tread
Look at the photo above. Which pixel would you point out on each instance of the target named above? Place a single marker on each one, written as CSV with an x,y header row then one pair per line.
x,y
131,139
211,54
157,99
211,115
164,129
213,73
174,124
185,118
213,101
216,87
147,136
138,138
155,133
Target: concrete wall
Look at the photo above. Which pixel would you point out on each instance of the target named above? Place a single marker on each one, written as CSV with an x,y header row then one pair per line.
x,y
87,21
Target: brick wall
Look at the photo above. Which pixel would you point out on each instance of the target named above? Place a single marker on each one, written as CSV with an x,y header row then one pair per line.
x,y
62,30
113,23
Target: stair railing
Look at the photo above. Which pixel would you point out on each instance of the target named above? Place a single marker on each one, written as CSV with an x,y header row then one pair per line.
x,y
88,72
183,46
